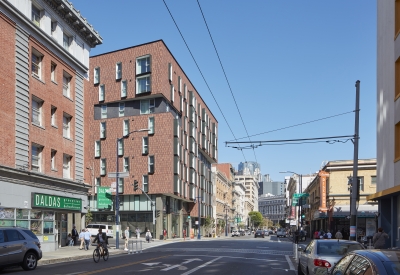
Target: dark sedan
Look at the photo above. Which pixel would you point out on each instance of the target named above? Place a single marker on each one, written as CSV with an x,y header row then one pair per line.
x,y
259,233
367,262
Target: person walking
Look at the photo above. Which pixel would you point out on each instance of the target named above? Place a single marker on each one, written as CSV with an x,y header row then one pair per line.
x,y
165,234
316,234
126,232
137,233
82,239
338,235
74,234
184,234
148,236
379,239
87,239
296,236
329,234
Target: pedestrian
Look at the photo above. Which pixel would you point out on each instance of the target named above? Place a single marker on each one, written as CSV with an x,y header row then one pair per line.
x,y
82,239
165,234
316,234
296,236
126,237
87,239
329,234
70,241
137,233
184,234
74,234
379,239
338,235
148,236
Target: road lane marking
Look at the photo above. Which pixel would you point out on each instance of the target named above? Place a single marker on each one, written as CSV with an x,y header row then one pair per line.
x,y
231,257
290,262
201,266
121,266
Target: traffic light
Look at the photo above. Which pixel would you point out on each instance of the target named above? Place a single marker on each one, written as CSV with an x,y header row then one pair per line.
x,y
136,185
303,216
157,213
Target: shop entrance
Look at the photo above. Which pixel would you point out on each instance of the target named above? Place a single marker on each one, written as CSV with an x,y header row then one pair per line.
x,y
62,229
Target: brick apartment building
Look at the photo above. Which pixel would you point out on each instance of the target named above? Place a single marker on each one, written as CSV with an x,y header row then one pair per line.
x,y
143,87
45,47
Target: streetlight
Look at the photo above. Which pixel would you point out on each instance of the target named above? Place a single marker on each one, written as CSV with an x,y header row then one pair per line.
x,y
226,219
116,189
198,201
301,199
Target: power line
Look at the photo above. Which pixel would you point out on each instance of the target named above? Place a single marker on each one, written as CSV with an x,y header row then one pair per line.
x,y
201,73
295,125
226,78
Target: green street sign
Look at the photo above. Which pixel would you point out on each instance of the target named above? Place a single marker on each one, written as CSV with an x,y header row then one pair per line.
x,y
104,200
56,202
301,195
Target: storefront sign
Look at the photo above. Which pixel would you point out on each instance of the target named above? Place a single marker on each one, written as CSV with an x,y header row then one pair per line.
x,y
322,184
56,202
104,197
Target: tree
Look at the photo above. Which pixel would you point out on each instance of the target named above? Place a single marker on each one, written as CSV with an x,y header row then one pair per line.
x,y
209,224
221,226
256,218
88,217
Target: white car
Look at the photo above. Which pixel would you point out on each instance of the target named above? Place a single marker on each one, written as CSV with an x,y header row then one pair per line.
x,y
94,229
235,233
281,233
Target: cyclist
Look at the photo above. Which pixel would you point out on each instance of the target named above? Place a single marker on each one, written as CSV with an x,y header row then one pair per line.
x,y
101,239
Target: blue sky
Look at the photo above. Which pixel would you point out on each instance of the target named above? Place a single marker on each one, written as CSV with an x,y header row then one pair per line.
x,y
287,62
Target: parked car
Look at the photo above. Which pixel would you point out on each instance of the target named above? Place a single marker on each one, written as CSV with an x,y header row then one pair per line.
x,y
377,261
259,233
106,228
281,233
271,232
323,253
19,246
235,233
242,233
266,232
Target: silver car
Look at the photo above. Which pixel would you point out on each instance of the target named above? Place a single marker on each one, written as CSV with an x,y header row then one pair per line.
x,y
19,246
323,254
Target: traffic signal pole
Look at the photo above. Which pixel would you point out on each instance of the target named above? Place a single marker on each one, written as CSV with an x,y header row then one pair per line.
x,y
153,204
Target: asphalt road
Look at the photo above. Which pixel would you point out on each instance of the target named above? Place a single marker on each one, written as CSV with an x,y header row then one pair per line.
x,y
237,255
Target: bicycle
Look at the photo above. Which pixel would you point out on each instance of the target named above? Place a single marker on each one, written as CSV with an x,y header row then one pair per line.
x,y
97,254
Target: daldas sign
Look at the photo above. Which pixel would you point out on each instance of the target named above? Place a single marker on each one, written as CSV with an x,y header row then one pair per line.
x,y
55,202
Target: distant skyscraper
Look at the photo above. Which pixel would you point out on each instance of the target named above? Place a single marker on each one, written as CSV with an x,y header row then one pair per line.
x,y
267,186
251,168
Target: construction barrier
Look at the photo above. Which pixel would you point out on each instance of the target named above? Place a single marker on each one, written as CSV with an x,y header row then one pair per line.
x,y
131,247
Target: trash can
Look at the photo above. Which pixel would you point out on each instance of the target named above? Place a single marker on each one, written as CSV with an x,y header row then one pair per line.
x,y
161,237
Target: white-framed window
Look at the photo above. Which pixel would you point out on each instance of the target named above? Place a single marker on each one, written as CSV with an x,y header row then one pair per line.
x,y
36,63
143,64
118,70
145,145
67,166
121,109
121,187
120,147
53,160
66,125
103,111
37,112
179,84
151,125
145,181
36,15
97,181
124,87
125,127
97,148
172,93
53,72
103,167
102,92
361,183
170,71
54,28
147,106
36,157
66,85
66,41
143,84
53,115
126,164
373,180
96,76
103,128
151,165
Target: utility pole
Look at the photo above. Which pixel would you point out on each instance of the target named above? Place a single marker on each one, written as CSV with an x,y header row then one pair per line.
x,y
353,198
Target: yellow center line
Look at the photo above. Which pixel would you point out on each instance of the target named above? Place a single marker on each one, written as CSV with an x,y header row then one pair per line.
x,y
121,266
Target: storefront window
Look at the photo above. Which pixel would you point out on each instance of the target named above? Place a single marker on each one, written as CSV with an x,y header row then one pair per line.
x,y
48,215
24,224
36,214
36,227
22,214
48,227
6,213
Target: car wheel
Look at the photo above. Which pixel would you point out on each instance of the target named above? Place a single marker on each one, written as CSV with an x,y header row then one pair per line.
x,y
30,261
299,271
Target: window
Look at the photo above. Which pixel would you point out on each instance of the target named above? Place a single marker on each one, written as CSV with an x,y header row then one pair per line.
x,y
373,180
35,16
172,93
143,84
121,109
66,126
36,158
179,84
151,125
145,145
53,116
145,181
151,164
147,106
126,164
143,65
98,182
361,183
67,166
102,92
36,63
125,127
66,41
103,128
97,149
53,72
120,147
53,28
53,160
123,88
170,71
103,168
96,77
37,111
120,186
66,85
118,71
103,111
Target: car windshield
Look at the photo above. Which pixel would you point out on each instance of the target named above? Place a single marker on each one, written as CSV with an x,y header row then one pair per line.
x,y
259,231
392,268
336,248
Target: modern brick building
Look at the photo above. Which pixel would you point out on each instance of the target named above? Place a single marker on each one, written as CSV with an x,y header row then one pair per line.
x,y
45,47
144,87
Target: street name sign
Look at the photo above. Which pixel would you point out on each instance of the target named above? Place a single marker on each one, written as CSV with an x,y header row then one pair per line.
x,y
120,174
